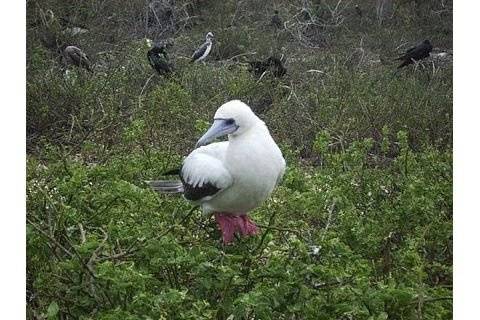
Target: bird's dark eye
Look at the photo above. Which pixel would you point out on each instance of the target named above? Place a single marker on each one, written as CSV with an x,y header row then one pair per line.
x,y
230,122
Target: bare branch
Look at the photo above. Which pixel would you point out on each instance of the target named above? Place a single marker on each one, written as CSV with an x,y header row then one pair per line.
x,y
82,233
329,219
52,240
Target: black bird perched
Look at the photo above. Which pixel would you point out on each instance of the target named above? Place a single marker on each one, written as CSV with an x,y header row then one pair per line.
x,y
272,63
158,59
276,21
419,52
202,52
74,55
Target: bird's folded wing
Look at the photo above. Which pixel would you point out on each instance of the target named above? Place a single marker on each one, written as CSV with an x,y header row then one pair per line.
x,y
407,54
79,55
151,60
200,51
206,166
411,49
204,175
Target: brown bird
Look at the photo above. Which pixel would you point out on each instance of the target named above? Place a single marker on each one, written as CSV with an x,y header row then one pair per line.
x,y
74,55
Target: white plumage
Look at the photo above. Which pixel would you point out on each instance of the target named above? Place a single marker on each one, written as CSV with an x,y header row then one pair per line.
x,y
204,50
233,177
205,165
246,168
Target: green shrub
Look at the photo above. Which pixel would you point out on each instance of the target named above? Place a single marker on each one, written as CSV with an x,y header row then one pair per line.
x,y
361,226
349,239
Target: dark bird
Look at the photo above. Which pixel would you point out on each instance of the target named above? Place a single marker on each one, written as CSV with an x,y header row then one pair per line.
x,y
276,21
74,55
257,67
271,64
358,10
414,54
158,59
202,52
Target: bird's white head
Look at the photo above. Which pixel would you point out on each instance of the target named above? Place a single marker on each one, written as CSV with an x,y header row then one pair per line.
x,y
209,36
232,118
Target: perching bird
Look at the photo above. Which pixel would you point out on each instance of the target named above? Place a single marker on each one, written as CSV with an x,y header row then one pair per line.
x,y
358,10
158,59
202,52
74,55
276,21
233,177
414,54
272,63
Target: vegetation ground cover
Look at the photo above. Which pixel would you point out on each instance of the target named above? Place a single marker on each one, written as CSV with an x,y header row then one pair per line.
x,y
361,226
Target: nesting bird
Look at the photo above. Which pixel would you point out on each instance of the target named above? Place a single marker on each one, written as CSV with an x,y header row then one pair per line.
x,y
273,64
233,177
158,59
75,56
414,54
202,52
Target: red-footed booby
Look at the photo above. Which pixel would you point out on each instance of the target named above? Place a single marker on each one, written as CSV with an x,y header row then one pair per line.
x,y
233,177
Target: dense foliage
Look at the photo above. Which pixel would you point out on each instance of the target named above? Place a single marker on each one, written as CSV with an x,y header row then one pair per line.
x,y
361,226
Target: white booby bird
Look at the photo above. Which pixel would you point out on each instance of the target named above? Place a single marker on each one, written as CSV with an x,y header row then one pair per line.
x,y
233,177
202,52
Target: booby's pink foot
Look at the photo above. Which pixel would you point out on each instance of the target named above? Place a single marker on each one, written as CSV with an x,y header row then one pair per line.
x,y
230,224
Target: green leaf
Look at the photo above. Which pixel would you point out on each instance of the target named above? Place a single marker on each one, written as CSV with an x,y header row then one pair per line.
x,y
52,310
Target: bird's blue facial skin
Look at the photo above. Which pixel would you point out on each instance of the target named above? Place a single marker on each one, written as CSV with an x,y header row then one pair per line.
x,y
219,128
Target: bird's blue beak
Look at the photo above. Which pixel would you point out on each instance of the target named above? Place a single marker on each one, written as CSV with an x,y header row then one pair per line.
x,y
219,128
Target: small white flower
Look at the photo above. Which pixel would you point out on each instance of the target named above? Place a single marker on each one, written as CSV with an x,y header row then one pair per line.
x,y
315,250
148,42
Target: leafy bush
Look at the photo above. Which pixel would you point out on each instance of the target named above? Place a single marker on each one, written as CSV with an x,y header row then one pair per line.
x,y
347,239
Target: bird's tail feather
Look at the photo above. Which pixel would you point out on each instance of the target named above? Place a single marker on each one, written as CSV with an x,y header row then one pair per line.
x,y
166,186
